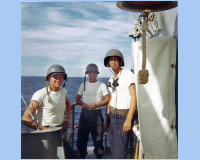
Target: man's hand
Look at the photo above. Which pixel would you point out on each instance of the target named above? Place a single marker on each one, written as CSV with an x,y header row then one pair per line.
x,y
85,106
43,127
65,125
73,105
93,106
105,128
127,125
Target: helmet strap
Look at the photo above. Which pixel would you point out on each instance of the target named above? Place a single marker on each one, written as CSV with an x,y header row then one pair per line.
x,y
84,82
47,91
64,84
110,70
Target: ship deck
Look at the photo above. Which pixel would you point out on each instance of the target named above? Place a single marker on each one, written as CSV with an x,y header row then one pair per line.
x,y
107,154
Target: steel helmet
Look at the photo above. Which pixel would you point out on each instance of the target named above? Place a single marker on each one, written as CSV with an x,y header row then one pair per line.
x,y
114,52
56,69
92,67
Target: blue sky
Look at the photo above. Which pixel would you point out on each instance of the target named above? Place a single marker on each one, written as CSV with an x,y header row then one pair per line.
x,y
72,34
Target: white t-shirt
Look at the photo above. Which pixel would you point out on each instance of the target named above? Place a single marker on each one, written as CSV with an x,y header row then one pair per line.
x,y
93,92
51,113
122,91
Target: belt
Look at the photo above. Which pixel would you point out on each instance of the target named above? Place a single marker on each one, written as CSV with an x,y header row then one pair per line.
x,y
53,126
91,111
122,112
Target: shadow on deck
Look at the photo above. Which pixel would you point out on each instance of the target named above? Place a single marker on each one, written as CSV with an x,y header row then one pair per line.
x,y
107,154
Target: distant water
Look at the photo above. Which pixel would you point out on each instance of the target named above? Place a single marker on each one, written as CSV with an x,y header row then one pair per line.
x,y
29,85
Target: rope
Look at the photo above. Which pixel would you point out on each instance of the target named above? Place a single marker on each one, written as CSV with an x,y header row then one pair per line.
x,y
143,74
144,29
131,16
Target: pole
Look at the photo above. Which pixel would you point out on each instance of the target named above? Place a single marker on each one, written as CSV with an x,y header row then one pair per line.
x,y
27,108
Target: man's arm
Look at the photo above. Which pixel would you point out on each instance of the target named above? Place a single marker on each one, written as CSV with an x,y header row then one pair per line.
x,y
78,100
101,103
67,109
66,121
133,105
107,114
26,118
108,109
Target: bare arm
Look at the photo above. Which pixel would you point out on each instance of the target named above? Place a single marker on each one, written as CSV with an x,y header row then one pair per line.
x,y
26,118
109,103
101,103
133,105
67,108
78,100
106,118
66,122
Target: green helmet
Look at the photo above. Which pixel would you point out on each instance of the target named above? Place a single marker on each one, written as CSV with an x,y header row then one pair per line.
x,y
92,67
114,52
56,69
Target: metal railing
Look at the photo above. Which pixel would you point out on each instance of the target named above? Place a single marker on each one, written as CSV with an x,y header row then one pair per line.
x,y
72,125
133,138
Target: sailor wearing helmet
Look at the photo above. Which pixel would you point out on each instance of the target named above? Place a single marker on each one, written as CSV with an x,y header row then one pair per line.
x,y
91,119
122,104
49,103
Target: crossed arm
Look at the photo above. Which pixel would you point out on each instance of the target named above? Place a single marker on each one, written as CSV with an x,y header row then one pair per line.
x,y
93,105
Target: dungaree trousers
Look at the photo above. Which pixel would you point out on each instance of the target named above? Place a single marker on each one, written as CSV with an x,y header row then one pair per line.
x,y
90,121
118,140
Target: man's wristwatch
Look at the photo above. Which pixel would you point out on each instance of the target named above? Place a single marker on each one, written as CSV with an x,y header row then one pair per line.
x,y
67,120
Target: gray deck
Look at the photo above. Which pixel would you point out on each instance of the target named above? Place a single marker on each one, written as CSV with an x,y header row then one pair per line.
x,y
91,154
107,155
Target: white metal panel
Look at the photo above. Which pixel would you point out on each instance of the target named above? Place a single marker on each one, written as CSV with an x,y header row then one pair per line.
x,y
156,99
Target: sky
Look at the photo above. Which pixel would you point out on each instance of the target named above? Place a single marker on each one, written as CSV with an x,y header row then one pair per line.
x,y
72,34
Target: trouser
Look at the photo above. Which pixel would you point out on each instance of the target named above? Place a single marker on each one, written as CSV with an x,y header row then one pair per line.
x,y
118,140
70,153
90,121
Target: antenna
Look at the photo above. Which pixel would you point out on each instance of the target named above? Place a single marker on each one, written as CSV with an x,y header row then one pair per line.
x,y
131,16
27,108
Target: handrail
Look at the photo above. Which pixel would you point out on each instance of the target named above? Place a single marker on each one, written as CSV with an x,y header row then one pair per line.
x,y
138,148
105,139
72,109
72,134
136,130
132,145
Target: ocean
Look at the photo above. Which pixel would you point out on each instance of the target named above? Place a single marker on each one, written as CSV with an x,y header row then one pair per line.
x,y
29,85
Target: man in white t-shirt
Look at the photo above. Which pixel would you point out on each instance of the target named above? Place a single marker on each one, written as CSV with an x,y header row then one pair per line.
x,y
49,103
91,119
121,106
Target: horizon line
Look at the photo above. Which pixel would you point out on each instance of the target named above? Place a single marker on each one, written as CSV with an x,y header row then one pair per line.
x,y
67,76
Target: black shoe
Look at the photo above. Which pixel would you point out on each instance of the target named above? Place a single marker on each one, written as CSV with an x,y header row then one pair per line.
x,y
99,157
82,157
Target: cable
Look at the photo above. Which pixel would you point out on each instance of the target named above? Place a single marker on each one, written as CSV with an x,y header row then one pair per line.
x,y
27,108
110,70
117,124
114,88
